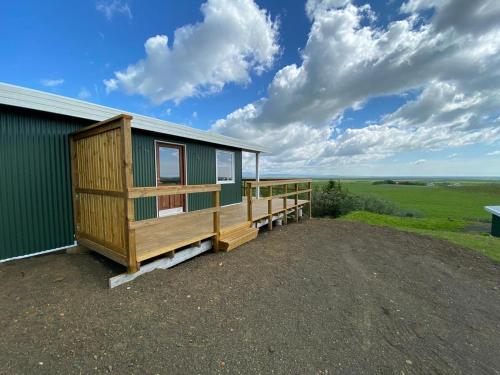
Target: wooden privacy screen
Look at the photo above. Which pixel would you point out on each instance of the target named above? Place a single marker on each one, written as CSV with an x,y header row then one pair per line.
x,y
101,164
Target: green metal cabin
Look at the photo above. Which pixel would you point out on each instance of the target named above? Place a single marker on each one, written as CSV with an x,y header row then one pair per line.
x,y
35,172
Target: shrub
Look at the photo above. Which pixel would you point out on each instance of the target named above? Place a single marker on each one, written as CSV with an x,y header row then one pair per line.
x,y
334,201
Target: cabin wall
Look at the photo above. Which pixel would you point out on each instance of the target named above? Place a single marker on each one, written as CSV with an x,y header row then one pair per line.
x,y
35,181
35,178
200,165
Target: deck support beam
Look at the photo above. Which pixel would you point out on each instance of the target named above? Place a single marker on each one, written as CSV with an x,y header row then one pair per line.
x,y
163,263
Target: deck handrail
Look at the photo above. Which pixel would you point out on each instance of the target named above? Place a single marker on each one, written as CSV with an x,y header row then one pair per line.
x,y
278,182
284,183
156,191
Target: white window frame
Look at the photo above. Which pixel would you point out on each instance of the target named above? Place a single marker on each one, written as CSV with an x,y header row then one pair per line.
x,y
217,152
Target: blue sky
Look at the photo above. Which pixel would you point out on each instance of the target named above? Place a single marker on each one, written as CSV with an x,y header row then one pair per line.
x,y
335,87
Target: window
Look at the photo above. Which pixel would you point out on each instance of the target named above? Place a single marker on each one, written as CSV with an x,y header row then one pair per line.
x,y
225,167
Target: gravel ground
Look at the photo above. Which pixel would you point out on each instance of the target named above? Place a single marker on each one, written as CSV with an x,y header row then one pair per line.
x,y
317,297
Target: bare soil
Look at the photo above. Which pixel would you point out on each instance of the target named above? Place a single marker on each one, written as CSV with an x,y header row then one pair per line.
x,y
317,297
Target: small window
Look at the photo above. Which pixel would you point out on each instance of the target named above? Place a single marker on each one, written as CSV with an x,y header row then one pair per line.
x,y
225,167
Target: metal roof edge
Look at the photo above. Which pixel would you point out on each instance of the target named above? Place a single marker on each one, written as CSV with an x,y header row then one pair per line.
x,y
43,101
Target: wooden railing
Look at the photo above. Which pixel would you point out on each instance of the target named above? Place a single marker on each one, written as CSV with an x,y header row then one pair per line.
x,y
103,193
143,192
278,189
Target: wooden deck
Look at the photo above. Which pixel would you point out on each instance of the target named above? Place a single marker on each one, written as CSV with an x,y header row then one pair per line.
x,y
180,230
103,204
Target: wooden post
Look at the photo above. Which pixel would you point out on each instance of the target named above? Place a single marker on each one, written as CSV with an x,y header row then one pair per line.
x,y
285,204
249,203
296,202
270,209
257,175
309,186
128,182
216,217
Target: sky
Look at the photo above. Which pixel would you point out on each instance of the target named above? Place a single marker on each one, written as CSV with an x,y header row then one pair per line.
x,y
333,87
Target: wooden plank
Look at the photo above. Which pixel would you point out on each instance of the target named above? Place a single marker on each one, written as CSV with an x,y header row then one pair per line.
x,y
107,244
165,249
171,232
163,263
133,265
277,182
128,181
102,217
143,192
284,195
81,134
112,193
103,250
235,227
160,220
270,209
285,203
248,235
249,203
114,121
99,162
296,202
216,219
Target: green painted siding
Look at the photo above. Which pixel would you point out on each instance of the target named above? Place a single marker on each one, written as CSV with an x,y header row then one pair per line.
x,y
35,182
495,226
35,178
200,170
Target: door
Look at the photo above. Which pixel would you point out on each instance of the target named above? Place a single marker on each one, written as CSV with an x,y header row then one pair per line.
x,y
170,170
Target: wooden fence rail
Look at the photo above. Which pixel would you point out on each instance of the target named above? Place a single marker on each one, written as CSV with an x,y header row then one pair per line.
x,y
103,194
141,192
272,186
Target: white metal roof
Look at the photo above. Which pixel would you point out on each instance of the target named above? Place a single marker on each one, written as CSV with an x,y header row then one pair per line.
x,y
495,210
33,99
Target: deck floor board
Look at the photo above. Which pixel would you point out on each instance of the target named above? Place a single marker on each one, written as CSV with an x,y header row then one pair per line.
x,y
179,228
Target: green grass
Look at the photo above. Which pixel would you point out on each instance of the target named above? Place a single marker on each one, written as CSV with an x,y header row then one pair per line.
x,y
464,202
446,209
448,230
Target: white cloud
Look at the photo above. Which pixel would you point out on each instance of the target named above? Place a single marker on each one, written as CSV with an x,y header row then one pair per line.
x,y
84,93
235,38
418,162
494,153
454,155
52,82
452,62
195,114
113,8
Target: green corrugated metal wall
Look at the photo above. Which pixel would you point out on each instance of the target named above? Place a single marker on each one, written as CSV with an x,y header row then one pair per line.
x,y
35,187
495,226
35,178
200,170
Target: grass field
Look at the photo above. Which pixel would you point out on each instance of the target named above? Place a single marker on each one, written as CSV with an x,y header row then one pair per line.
x,y
445,210
465,201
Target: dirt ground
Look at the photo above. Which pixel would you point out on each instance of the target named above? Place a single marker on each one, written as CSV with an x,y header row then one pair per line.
x,y
317,297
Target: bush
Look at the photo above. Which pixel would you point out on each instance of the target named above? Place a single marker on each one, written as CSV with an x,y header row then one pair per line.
x,y
334,201
384,182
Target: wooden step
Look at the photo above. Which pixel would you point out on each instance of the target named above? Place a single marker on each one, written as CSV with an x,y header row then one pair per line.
x,y
238,238
234,228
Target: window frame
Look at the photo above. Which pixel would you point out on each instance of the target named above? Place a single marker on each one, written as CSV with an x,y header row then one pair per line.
x,y
233,154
